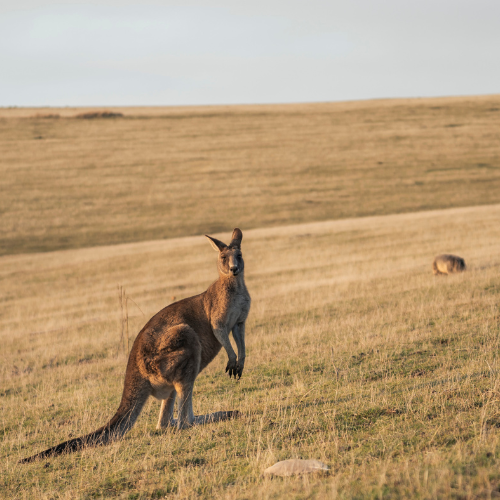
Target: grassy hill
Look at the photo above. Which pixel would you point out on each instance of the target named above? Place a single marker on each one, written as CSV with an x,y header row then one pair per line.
x,y
357,356
157,173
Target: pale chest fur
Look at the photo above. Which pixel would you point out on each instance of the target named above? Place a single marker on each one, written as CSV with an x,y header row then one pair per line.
x,y
231,307
238,308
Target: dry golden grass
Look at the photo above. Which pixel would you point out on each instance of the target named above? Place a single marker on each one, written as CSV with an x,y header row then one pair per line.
x,y
168,172
357,356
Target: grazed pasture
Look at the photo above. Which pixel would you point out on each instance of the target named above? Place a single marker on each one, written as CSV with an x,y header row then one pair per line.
x,y
357,356
169,172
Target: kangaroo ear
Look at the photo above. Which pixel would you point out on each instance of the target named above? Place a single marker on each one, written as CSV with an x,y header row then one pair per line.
x,y
236,238
218,245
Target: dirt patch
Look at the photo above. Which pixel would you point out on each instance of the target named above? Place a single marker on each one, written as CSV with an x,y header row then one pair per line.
x,y
50,116
93,115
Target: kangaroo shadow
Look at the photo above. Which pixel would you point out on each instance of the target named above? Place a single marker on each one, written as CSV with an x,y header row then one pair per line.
x,y
209,418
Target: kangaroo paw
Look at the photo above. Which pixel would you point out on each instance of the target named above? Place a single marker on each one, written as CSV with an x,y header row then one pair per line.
x,y
232,368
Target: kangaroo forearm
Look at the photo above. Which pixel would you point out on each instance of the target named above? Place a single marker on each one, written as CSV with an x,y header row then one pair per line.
x,y
223,337
239,338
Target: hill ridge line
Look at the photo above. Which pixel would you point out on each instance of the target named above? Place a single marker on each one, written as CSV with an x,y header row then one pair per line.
x,y
285,230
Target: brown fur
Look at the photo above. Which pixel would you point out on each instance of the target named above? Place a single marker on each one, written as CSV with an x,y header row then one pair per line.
x,y
172,349
447,264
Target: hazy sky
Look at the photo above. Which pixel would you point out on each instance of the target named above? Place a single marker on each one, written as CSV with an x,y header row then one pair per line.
x,y
112,52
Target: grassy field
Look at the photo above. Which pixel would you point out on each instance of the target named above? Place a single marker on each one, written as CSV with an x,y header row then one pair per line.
x,y
168,172
357,356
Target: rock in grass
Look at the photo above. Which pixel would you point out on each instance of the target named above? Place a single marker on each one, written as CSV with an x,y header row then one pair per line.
x,y
296,466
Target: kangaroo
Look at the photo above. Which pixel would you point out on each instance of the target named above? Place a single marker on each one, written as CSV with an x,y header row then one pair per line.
x,y
174,346
447,264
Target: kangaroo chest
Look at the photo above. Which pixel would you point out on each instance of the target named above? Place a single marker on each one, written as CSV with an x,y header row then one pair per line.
x,y
231,307
237,309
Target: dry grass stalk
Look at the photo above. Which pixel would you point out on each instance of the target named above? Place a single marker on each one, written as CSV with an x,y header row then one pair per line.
x,y
124,335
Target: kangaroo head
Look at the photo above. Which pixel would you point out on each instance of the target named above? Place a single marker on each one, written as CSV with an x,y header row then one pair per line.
x,y
230,262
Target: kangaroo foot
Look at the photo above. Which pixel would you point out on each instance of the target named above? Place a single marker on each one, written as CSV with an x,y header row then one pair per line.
x,y
170,423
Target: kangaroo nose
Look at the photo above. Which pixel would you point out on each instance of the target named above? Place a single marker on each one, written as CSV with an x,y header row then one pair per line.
x,y
234,269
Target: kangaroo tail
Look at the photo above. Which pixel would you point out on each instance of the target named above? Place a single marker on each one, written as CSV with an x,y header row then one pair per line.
x,y
135,394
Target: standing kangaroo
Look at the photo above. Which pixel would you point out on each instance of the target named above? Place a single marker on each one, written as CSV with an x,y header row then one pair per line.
x,y
172,349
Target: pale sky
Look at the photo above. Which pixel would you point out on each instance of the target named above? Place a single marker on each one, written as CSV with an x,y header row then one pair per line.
x,y
112,52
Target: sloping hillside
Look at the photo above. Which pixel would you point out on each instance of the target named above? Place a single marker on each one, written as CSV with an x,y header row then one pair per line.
x,y
156,173
357,355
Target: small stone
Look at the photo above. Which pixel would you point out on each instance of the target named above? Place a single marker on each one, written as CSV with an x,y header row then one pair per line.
x,y
296,466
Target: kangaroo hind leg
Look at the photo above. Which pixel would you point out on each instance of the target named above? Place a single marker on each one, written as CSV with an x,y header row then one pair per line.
x,y
178,362
185,417
166,418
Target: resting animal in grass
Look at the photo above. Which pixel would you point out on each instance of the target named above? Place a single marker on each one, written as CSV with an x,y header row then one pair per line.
x,y
447,264
172,349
